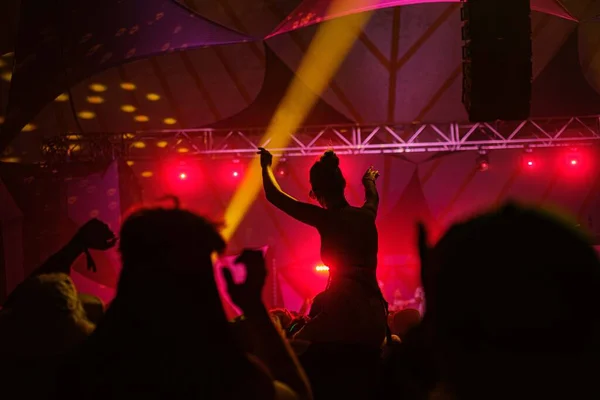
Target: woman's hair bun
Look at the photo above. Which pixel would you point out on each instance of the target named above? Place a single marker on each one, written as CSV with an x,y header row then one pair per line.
x,y
330,159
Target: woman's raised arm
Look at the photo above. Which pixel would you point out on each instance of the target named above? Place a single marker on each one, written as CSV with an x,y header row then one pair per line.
x,y
303,212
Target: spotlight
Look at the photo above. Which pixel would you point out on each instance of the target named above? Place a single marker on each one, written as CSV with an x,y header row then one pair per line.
x,y
573,158
282,170
322,268
236,171
483,161
181,175
528,160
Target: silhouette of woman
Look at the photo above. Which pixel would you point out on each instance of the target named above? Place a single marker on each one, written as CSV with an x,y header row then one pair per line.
x,y
351,309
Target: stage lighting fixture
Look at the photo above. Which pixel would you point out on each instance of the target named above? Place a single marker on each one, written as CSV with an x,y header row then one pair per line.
x,y
573,158
183,176
282,170
322,268
528,160
236,171
482,162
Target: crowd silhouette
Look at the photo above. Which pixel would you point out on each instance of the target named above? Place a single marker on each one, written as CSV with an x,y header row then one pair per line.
x,y
511,311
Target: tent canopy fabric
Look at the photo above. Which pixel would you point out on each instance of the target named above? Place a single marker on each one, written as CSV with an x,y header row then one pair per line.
x,y
164,66
316,11
59,44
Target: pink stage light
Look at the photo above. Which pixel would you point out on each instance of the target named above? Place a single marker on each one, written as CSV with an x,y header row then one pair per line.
x,y
574,159
282,170
529,162
482,162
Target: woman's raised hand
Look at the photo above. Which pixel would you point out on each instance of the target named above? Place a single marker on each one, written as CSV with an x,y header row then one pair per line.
x,y
266,158
96,235
371,175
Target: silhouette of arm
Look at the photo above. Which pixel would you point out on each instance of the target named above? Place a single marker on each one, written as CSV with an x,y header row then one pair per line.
x,y
62,260
265,341
303,212
275,353
371,196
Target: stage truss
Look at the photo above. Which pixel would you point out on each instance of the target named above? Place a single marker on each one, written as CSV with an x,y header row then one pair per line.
x,y
352,139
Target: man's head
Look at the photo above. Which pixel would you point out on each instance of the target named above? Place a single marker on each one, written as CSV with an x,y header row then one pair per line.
x,y
175,239
513,284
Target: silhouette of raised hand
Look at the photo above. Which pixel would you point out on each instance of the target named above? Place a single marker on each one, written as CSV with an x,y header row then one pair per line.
x,y
95,235
248,294
266,158
371,175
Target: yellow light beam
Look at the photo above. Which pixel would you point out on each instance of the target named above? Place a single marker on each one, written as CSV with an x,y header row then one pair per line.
x,y
327,51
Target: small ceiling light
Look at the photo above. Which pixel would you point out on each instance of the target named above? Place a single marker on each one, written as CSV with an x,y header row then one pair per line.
x,y
128,108
98,87
141,118
86,114
62,97
128,86
153,97
482,161
95,100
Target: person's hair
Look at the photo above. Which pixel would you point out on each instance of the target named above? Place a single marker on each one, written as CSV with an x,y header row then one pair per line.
x,y
167,310
153,237
47,317
169,250
403,321
93,306
326,177
516,287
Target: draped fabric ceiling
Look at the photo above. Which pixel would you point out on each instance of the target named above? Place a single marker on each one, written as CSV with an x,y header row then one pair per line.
x,y
204,63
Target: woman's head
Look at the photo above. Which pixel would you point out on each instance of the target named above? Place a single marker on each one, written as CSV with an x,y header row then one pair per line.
x,y
327,181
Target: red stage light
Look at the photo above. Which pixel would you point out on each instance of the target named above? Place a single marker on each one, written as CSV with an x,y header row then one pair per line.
x,y
529,162
235,174
183,176
282,169
528,159
482,162
574,159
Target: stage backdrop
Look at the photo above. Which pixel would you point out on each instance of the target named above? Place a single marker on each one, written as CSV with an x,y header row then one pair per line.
x,y
435,189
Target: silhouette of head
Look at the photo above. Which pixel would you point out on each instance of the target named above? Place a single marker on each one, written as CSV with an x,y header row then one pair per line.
x,y
165,331
512,294
170,250
46,317
93,306
327,181
403,321
168,239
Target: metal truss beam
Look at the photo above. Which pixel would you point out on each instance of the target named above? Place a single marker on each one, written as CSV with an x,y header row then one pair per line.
x,y
372,139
